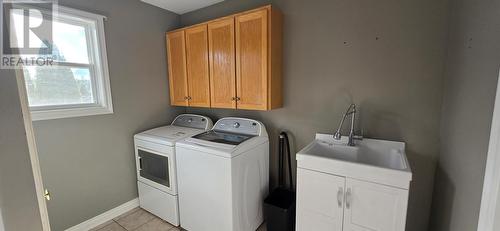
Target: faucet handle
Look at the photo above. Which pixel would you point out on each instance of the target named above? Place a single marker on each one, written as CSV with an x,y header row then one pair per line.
x,y
337,135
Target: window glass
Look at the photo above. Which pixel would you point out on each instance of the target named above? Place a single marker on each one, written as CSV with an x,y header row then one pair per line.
x,y
58,85
70,43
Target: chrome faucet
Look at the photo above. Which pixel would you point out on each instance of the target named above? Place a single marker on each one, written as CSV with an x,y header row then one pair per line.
x,y
350,111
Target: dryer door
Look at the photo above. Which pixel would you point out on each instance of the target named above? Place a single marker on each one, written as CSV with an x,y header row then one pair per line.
x,y
154,167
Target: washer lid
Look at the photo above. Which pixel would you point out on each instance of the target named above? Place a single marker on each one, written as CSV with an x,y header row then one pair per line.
x,y
222,149
223,137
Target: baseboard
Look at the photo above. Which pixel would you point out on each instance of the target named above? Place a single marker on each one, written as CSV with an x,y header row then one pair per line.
x,y
106,216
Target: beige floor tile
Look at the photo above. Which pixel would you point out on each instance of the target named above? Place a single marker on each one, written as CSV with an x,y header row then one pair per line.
x,y
155,225
113,226
127,213
135,219
102,225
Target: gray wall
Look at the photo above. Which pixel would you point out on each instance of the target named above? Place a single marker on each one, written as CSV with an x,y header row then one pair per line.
x,y
332,58
18,203
470,85
88,162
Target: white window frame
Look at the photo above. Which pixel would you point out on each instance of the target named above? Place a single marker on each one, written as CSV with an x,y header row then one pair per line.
x,y
96,42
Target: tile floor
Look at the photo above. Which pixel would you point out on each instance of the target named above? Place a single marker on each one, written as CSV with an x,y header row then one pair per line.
x,y
140,220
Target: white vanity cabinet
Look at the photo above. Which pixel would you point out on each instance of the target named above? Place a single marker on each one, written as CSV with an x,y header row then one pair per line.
x,y
353,188
370,206
319,201
336,203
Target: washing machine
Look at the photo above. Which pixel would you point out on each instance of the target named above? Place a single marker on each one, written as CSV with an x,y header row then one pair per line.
x,y
155,155
223,176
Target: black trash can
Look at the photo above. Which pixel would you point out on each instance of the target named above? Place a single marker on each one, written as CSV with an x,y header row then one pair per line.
x,y
279,206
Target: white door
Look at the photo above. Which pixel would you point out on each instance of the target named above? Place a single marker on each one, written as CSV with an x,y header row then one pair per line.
x,y
22,203
319,201
374,207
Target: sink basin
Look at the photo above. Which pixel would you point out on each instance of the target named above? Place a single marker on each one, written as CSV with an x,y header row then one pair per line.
x,y
373,160
370,152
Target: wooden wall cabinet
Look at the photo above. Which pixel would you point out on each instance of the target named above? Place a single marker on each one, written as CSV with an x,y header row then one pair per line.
x,y
232,62
187,55
222,56
197,66
258,59
176,55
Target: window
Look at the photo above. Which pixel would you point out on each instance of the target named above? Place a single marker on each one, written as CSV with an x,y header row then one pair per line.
x,y
78,82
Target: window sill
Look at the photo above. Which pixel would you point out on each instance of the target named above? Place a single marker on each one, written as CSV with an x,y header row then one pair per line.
x,y
69,113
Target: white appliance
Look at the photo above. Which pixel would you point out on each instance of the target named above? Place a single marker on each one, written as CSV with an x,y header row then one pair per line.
x,y
156,166
223,176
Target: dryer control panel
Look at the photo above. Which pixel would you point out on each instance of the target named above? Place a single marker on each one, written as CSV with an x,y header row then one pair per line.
x,y
193,121
240,126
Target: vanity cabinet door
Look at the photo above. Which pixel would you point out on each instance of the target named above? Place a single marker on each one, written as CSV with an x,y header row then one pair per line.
x,y
197,66
320,201
370,206
176,56
221,47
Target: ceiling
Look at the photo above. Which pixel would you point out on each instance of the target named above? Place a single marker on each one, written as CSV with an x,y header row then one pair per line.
x,y
181,6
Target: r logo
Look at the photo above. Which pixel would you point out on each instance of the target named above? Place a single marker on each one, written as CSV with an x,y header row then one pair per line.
x,y
27,27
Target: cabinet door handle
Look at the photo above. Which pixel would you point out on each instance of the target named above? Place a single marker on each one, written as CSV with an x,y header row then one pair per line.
x,y
340,196
238,98
348,198
233,98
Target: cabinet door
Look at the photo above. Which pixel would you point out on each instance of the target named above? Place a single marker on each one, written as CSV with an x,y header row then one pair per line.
x,y
319,201
176,55
371,206
197,66
222,63
251,60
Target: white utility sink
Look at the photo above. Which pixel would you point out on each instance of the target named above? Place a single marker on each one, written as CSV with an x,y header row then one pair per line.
x,y
378,161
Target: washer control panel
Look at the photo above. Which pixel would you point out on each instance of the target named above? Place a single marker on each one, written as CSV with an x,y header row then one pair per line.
x,y
239,125
193,121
